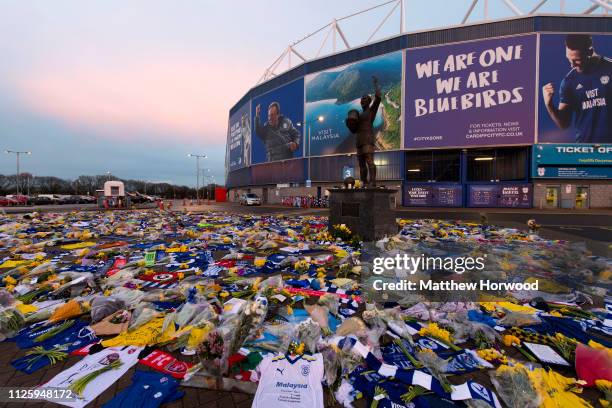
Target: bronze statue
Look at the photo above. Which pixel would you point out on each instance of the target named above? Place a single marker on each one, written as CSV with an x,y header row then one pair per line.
x,y
362,125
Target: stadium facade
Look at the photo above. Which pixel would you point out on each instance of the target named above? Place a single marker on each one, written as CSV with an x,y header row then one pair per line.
x,y
462,122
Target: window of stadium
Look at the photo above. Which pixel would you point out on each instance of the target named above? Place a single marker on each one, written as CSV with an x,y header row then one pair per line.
x,y
504,164
439,165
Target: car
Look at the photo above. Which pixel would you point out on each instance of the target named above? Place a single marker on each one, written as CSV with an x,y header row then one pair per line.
x,y
52,198
250,199
20,198
7,202
43,199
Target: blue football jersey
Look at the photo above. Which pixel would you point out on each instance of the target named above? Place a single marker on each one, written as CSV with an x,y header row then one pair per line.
x,y
589,95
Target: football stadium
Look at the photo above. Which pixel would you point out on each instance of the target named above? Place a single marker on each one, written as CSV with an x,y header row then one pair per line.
x,y
500,114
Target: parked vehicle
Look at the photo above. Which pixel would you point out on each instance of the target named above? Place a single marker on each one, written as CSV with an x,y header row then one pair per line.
x,y
7,202
42,200
20,198
250,199
53,198
85,199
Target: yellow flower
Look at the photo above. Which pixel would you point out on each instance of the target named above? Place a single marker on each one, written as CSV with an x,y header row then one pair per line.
x,y
183,266
227,240
259,262
9,280
289,310
300,349
181,275
255,286
510,340
433,330
224,294
492,354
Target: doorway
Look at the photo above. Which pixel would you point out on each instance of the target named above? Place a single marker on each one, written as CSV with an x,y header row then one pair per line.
x,y
552,197
264,195
582,197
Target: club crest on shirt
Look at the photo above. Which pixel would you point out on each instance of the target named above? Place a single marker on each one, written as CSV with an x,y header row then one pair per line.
x,y
605,79
579,86
480,390
305,370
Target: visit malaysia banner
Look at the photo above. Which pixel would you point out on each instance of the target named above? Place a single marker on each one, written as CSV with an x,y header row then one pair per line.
x,y
479,93
575,103
331,94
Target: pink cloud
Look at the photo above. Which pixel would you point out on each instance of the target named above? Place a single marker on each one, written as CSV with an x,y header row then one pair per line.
x,y
189,100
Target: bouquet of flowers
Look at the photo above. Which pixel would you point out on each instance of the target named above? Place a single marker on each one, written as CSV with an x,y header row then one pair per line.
x,y
112,362
307,332
514,386
212,347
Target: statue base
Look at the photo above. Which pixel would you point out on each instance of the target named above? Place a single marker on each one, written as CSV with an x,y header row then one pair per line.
x,y
368,212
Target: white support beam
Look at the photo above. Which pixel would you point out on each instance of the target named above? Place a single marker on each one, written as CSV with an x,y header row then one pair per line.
x,y
382,23
342,37
469,12
537,7
324,42
513,7
293,50
602,3
335,31
591,9
402,17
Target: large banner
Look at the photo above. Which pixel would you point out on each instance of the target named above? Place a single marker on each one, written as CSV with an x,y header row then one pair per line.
x,y
331,94
277,127
239,138
479,93
575,89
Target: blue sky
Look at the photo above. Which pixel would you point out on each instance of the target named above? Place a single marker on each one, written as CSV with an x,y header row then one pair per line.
x,y
132,87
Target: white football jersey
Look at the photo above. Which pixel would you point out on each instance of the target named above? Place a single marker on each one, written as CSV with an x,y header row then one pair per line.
x,y
290,382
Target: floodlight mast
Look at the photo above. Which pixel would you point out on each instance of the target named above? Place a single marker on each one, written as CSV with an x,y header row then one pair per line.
x,y
334,31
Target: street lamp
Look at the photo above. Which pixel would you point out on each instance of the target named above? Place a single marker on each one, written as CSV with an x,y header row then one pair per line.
x,y
205,176
197,156
17,154
308,124
108,173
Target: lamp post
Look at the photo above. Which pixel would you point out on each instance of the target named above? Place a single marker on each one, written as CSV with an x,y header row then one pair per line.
x,y
197,156
17,154
205,175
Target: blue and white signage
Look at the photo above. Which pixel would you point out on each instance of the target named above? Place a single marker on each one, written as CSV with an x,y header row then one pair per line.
x,y
591,161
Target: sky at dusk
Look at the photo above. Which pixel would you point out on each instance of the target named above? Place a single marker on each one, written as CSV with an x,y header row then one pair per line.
x,y
133,86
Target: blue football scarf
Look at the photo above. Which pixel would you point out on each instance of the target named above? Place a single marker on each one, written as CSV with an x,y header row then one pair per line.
x,y
73,338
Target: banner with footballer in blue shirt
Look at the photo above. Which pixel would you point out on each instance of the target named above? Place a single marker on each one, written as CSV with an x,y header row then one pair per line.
x,y
575,89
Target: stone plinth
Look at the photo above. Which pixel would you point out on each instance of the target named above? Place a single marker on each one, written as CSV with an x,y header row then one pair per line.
x,y
368,212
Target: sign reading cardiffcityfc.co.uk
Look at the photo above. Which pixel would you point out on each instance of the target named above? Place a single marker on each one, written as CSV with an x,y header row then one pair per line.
x,y
477,93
